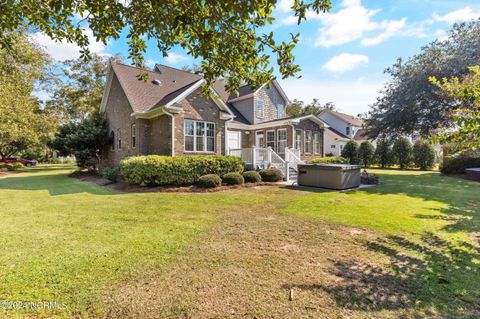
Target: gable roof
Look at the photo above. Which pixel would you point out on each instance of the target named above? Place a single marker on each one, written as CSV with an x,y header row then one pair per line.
x,y
361,135
338,134
346,117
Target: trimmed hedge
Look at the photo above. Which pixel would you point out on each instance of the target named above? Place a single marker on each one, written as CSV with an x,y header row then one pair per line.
x,y
233,179
457,165
330,160
271,175
182,170
209,181
252,177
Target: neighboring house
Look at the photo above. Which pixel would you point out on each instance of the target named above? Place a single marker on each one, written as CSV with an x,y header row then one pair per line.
x,y
342,128
168,115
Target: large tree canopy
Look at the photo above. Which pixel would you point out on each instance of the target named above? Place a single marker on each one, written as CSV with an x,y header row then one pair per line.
x,y
410,103
224,34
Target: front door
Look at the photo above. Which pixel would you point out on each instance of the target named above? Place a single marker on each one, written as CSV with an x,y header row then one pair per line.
x,y
259,139
234,140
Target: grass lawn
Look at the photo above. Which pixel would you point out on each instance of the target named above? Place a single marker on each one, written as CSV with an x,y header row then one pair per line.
x,y
405,248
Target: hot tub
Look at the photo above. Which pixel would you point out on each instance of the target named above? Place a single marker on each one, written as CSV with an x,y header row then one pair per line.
x,y
332,176
473,174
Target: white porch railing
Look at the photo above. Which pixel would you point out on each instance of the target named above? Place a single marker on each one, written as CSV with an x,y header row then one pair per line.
x,y
260,157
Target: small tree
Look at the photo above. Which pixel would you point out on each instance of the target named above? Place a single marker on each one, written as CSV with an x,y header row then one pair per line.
x,y
366,152
423,155
350,152
85,140
402,152
383,153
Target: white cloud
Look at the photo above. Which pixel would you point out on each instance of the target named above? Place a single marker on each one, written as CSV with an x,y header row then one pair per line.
x,y
352,22
459,15
361,92
149,63
345,62
62,50
175,58
441,34
285,5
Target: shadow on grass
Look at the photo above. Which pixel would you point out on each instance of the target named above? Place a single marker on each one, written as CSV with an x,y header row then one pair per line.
x,y
430,278
51,179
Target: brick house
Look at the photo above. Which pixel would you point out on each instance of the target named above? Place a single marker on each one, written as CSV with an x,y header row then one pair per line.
x,y
168,115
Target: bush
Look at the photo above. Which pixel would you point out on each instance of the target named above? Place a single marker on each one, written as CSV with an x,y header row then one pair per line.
x,y
402,152
55,160
383,153
209,181
329,154
271,175
330,160
350,152
366,152
176,171
233,179
457,165
11,166
423,155
252,177
110,173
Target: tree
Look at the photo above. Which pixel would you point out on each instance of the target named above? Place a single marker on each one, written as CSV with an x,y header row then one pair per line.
x,y
366,153
79,88
299,108
222,33
350,152
402,152
423,155
383,153
466,116
409,103
86,140
23,123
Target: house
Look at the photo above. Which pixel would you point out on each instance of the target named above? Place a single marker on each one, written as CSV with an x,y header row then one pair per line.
x,y
342,128
168,115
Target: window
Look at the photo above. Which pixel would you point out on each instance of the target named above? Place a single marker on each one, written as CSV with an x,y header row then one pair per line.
x,y
308,142
332,146
259,140
271,139
280,110
348,130
317,146
282,140
259,107
112,136
119,139
199,136
134,135
299,140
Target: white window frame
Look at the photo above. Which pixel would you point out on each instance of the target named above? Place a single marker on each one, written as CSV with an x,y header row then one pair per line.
x,y
281,150
308,148
272,141
260,112
133,130
195,136
260,132
317,145
280,114
301,139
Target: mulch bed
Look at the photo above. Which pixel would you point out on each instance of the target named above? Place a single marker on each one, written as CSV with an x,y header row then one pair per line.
x,y
123,186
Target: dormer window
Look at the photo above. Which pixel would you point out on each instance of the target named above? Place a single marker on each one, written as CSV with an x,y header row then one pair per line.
x,y
348,131
259,105
280,110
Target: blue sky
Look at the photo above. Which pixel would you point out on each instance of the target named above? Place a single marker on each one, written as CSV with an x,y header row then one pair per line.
x,y
342,53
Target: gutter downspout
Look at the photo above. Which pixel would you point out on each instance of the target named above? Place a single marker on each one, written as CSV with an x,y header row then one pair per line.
x,y
173,130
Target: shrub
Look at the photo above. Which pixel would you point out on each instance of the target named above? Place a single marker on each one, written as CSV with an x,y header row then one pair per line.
x,y
252,177
350,152
330,160
329,154
181,170
383,153
54,160
366,152
209,181
11,166
271,175
110,173
233,179
402,152
423,155
457,165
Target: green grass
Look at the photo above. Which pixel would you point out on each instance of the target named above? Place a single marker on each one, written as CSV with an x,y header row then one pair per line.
x,y
69,241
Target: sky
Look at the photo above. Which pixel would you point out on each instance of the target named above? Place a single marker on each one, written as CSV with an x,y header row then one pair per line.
x,y
342,53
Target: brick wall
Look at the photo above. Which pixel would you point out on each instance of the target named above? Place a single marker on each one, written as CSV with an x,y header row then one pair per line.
x,y
314,127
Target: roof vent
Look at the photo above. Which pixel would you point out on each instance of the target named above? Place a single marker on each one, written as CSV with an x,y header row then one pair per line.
x,y
157,82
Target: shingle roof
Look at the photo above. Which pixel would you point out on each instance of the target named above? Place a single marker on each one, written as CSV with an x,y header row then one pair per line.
x,y
334,131
144,96
348,118
243,90
361,135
